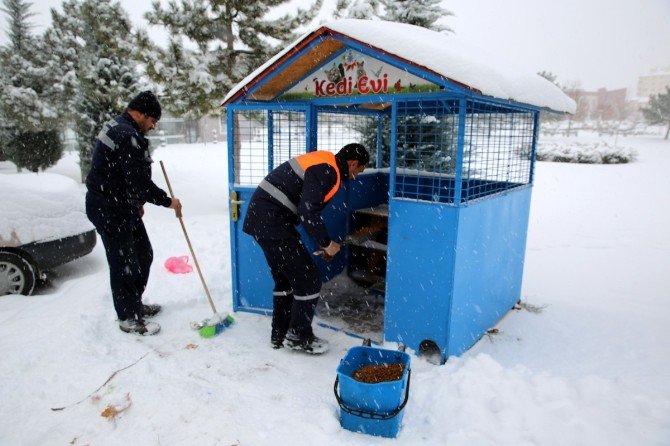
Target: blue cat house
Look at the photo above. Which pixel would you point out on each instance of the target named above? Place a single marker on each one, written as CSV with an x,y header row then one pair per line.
x,y
445,202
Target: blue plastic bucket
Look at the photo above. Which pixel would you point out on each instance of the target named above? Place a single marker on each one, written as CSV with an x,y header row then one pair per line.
x,y
373,409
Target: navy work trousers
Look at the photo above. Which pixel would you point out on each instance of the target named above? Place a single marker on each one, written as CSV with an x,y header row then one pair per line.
x,y
129,255
297,286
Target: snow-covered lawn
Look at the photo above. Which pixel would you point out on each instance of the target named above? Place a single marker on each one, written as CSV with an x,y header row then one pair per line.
x,y
591,369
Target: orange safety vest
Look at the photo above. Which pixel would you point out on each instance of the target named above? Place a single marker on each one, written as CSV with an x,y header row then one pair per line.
x,y
303,162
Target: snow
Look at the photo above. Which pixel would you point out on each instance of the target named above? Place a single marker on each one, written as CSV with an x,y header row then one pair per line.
x,y
444,54
40,207
591,368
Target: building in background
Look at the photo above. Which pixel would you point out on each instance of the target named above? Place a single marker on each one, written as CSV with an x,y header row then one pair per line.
x,y
653,83
602,104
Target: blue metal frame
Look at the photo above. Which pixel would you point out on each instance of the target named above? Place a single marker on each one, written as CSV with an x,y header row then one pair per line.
x,y
458,186
380,140
394,119
271,141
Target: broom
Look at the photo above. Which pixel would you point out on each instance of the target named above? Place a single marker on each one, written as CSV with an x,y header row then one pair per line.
x,y
216,324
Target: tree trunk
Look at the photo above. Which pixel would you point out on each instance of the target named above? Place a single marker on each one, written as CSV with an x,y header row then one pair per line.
x,y
667,132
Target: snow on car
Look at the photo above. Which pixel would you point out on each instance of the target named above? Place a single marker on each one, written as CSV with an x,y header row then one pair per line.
x,y
42,225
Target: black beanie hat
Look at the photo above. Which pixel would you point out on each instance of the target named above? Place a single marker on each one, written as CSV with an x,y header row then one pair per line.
x,y
354,151
147,103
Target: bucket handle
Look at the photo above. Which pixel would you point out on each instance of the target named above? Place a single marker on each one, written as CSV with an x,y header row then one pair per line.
x,y
372,415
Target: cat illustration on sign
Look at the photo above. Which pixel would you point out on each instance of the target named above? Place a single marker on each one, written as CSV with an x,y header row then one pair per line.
x,y
360,71
335,73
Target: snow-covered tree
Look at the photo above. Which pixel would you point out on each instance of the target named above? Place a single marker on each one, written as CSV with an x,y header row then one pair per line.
x,y
658,111
35,151
551,77
30,124
425,142
425,13
213,45
92,43
18,16
356,9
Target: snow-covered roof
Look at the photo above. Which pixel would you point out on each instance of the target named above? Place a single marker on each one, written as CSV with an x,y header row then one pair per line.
x,y
442,54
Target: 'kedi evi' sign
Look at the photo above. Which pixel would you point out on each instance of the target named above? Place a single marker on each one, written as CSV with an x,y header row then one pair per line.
x,y
364,85
352,73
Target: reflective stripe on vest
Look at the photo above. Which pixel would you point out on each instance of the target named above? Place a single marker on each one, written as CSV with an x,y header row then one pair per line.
x,y
278,195
303,162
299,165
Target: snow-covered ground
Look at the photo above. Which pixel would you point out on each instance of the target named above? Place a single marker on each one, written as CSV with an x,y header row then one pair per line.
x,y
591,369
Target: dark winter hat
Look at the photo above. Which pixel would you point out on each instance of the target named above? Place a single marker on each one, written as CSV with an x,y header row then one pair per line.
x,y
147,103
354,151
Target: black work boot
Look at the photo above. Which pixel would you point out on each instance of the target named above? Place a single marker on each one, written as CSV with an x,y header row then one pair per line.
x,y
151,310
281,317
310,345
139,326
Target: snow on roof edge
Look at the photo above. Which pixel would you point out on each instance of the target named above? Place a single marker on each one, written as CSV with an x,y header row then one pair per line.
x,y
459,62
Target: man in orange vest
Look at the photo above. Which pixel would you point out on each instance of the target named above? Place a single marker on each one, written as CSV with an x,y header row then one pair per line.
x,y
294,193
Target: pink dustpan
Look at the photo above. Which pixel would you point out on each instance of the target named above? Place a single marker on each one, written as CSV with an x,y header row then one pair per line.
x,y
178,265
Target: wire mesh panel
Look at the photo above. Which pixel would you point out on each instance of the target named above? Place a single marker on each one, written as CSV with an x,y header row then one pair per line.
x,y
336,129
499,149
426,146
289,135
255,153
250,155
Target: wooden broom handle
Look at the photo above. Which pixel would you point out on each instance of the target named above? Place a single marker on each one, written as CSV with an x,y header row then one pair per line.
x,y
188,241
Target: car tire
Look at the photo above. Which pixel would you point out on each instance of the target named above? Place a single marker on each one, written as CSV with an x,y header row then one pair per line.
x,y
17,274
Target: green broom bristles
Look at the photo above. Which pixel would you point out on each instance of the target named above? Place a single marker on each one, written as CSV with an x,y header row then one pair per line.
x,y
209,331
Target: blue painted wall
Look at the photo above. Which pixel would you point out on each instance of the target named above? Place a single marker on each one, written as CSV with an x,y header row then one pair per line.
x,y
419,278
490,249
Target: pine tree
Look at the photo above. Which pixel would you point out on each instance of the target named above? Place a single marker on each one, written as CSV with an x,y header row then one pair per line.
x,y
423,13
658,111
29,131
189,90
551,77
425,142
93,40
356,9
368,130
35,151
18,12
214,44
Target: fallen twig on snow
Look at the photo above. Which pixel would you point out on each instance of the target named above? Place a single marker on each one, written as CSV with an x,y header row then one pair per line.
x,y
55,409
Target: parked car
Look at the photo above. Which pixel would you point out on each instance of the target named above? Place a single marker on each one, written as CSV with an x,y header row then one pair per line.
x,y
42,225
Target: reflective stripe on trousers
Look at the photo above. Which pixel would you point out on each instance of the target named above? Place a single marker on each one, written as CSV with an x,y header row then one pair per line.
x,y
310,297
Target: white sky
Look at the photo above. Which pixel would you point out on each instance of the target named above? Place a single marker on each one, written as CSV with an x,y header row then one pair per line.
x,y
598,43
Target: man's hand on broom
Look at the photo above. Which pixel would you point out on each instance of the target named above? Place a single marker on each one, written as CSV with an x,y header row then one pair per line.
x,y
176,205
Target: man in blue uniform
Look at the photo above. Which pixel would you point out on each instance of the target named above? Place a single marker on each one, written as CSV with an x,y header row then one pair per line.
x,y
119,184
295,193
